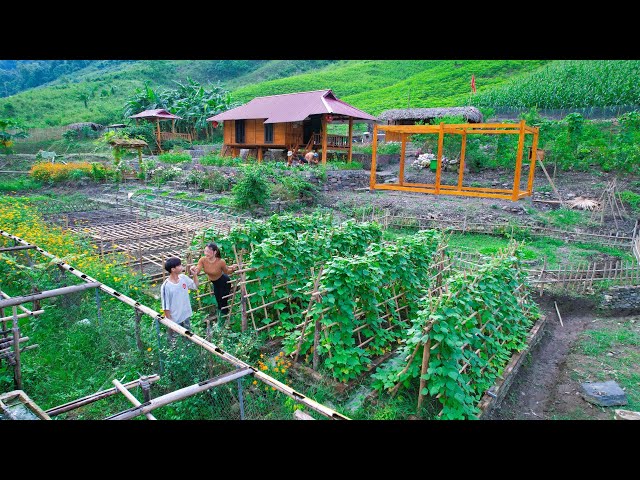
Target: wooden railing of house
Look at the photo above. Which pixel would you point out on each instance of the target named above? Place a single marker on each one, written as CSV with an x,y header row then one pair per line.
x,y
340,141
175,136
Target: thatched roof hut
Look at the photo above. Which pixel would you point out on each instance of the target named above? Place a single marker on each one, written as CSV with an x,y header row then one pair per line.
x,y
79,126
407,116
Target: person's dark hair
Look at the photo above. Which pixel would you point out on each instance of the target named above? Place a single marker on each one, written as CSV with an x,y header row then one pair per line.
x,y
171,262
215,249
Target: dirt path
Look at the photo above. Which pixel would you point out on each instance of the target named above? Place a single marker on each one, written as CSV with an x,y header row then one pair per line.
x,y
531,396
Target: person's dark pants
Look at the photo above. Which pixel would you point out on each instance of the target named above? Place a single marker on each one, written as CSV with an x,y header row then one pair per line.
x,y
221,288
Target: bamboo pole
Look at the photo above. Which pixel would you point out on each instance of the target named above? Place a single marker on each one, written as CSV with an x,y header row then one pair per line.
x,y
306,315
426,352
13,301
180,394
439,166
130,397
463,150
17,374
374,150
349,154
403,150
558,312
518,171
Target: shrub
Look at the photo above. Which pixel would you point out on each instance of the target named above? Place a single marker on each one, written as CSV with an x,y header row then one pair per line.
x,y
632,198
214,160
252,188
47,172
217,182
294,187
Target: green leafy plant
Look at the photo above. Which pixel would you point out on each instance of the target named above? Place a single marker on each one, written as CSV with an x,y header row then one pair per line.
x,y
252,188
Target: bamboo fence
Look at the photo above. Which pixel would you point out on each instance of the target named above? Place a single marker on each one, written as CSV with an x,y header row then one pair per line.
x,y
605,237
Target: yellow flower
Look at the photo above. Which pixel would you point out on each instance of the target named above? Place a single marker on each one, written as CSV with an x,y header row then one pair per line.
x,y
255,382
149,349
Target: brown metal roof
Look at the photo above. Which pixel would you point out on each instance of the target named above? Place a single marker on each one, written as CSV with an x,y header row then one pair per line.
x,y
292,107
159,113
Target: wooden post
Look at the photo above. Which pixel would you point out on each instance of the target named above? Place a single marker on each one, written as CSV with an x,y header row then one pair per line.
x,y
158,134
350,139
440,147
425,365
131,398
259,154
17,375
243,289
532,162
374,149
463,151
516,179
324,139
316,342
403,150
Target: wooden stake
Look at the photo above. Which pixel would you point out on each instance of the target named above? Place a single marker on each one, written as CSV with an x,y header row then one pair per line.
x,y
558,311
425,365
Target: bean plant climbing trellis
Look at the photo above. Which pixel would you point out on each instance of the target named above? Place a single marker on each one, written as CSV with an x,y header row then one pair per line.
x,y
349,313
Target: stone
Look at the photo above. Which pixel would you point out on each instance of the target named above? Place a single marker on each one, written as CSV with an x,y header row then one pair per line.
x,y
605,394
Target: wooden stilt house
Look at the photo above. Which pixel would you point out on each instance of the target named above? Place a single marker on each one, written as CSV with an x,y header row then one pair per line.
x,y
294,121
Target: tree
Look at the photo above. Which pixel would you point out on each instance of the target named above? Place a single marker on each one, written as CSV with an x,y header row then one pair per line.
x,y
10,129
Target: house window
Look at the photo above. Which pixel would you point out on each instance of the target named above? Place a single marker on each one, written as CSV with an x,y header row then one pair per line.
x,y
239,131
268,133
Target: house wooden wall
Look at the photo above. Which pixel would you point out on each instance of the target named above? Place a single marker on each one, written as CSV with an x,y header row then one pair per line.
x,y
283,133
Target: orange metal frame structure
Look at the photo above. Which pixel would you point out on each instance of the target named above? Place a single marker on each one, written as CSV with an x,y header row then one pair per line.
x,y
464,129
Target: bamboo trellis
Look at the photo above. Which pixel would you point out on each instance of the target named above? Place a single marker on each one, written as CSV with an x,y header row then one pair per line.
x,y
440,290
241,368
611,203
253,305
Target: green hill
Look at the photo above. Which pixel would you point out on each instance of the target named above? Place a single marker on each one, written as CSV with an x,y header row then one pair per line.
x,y
98,92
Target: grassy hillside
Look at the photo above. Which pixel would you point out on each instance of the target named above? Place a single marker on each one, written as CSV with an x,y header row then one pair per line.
x,y
98,93
108,84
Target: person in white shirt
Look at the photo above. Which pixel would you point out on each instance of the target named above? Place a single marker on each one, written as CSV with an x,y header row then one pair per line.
x,y
174,295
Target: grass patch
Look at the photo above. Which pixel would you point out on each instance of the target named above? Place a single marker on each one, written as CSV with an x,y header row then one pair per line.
x,y
226,201
632,199
564,217
614,347
19,184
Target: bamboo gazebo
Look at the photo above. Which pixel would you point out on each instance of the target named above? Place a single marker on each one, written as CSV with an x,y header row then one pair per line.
x,y
464,129
159,115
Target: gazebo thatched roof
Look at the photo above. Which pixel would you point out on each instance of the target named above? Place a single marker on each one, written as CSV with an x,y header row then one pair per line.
x,y
470,114
127,142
